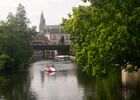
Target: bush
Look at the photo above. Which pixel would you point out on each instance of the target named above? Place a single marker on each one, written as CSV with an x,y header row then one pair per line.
x,y
4,60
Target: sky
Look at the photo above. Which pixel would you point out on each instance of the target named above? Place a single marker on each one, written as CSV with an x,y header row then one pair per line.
x,y
54,10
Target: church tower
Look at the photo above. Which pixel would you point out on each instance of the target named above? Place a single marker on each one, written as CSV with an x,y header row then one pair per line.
x,y
42,24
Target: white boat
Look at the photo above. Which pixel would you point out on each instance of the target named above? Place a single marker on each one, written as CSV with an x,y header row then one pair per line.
x,y
62,57
50,68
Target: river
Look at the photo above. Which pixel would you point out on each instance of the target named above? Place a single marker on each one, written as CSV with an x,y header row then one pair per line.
x,y
67,83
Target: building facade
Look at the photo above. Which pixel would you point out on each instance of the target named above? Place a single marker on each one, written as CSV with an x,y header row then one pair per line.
x,y
54,33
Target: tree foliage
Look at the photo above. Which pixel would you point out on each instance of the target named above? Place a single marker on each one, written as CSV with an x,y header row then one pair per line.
x,y
16,36
105,33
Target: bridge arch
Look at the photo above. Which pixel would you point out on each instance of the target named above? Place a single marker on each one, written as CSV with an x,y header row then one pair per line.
x,y
53,49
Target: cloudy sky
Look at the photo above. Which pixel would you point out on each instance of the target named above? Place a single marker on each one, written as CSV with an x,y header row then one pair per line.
x,y
53,10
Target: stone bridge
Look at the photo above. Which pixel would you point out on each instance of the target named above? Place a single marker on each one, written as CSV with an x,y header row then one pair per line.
x,y
52,49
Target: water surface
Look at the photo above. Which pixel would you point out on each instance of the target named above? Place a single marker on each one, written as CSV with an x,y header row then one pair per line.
x,y
68,83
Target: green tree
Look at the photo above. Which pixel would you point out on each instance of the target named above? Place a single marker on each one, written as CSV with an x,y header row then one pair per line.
x,y
16,37
105,33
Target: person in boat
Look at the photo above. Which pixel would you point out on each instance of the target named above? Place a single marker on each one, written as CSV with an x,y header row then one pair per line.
x,y
50,68
52,65
49,65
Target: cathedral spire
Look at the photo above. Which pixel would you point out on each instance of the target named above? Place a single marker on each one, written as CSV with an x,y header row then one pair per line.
x,y
42,23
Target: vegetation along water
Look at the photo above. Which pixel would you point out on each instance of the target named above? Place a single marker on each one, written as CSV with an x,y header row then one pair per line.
x,y
105,39
105,33
15,40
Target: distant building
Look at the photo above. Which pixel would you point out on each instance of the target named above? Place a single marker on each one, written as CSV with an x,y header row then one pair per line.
x,y
42,24
54,33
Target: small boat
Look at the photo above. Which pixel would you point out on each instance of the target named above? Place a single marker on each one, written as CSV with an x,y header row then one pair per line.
x,y
50,68
62,57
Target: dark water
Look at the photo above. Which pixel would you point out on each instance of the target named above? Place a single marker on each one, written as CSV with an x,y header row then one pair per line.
x,y
67,84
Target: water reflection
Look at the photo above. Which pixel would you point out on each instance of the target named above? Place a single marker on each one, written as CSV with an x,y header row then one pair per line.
x,y
86,85
100,88
68,83
61,85
15,86
131,85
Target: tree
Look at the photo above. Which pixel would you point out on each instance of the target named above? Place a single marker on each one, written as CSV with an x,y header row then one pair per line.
x,y
16,37
105,33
